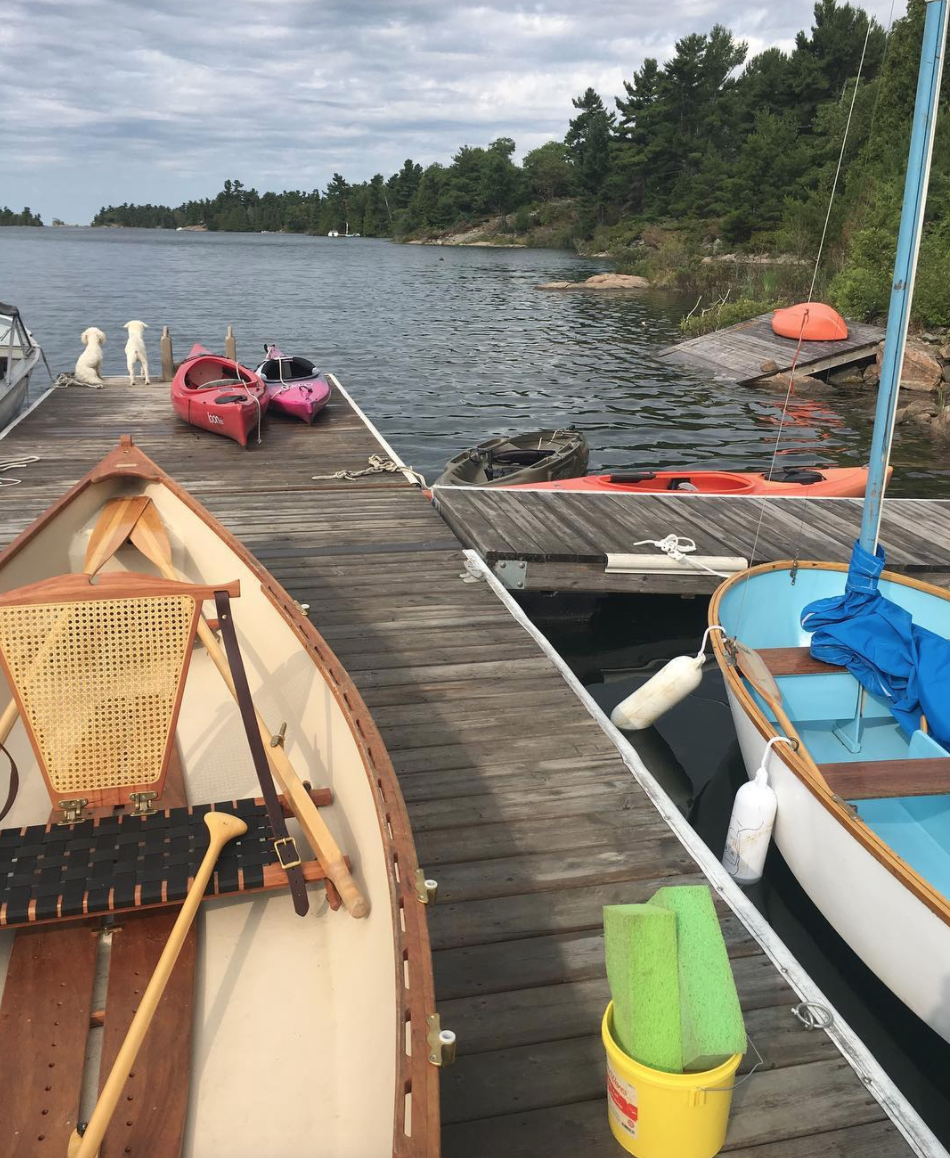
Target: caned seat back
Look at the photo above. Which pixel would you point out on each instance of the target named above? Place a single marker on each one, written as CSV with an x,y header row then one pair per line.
x,y
98,671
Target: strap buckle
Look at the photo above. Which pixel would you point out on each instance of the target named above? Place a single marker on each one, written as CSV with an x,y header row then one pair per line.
x,y
288,863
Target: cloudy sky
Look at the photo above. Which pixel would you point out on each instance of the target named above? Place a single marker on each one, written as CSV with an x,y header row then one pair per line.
x,y
159,100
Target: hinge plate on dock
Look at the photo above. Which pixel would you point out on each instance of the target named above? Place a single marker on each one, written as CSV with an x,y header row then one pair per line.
x,y
512,572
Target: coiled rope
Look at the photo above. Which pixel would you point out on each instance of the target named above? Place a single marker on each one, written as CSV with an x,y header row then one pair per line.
x,y
15,464
377,465
678,548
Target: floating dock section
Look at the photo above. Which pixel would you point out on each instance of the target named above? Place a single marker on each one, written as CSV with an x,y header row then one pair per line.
x,y
738,352
576,541
529,809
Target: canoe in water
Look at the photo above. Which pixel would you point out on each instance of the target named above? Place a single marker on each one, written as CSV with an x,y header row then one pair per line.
x,y
219,395
311,1031
539,456
841,482
294,385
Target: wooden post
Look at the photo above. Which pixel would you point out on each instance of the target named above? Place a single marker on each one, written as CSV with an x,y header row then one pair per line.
x,y
230,350
168,357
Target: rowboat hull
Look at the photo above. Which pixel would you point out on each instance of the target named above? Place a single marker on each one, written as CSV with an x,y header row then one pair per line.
x,y
837,482
536,457
891,916
275,993
233,408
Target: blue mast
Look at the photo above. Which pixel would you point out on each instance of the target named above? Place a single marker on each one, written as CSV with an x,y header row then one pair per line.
x,y
905,266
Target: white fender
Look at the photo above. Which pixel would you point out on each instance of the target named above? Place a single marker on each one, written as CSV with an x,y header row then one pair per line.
x,y
662,691
750,829
672,683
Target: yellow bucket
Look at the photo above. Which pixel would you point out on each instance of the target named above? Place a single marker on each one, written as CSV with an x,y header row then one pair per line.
x,y
658,1115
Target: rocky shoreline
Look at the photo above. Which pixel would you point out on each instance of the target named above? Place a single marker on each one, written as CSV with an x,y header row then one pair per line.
x,y
925,374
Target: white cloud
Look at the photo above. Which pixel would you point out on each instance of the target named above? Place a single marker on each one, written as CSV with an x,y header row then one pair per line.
x,y
120,101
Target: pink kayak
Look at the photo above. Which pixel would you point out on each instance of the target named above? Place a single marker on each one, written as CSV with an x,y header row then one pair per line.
x,y
294,385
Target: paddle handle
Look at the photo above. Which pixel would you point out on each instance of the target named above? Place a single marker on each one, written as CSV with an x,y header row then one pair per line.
x,y
150,538
308,815
223,827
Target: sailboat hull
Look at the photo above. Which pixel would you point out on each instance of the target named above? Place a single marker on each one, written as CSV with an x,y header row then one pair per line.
x,y
893,918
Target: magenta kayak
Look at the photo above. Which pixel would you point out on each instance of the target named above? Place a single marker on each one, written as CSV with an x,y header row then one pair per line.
x,y
294,385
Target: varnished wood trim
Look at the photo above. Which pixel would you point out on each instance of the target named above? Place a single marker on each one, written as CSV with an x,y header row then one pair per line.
x,y
878,779
800,762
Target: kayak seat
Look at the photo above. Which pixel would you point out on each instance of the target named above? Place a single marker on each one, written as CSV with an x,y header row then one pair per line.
x,y
799,475
520,457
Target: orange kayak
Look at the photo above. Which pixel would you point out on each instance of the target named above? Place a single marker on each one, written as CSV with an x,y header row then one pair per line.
x,y
839,482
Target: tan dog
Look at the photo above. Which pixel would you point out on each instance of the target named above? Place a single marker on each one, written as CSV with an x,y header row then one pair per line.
x,y
90,360
135,350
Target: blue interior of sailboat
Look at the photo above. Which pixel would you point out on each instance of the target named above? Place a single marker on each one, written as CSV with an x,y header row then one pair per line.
x,y
764,612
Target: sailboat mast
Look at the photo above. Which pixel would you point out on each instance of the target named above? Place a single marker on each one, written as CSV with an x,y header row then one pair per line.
x,y
905,266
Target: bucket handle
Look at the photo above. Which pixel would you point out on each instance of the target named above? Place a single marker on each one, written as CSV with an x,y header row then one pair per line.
x,y
740,1082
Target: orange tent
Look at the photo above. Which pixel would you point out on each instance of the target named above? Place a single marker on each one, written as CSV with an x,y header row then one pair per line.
x,y
811,321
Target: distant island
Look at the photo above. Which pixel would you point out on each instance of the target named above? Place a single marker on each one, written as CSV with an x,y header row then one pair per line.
x,y
9,217
700,175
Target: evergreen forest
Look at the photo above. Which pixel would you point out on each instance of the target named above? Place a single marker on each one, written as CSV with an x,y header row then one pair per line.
x,y
711,153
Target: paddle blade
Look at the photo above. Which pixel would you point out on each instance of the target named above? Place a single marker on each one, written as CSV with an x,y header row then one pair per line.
x,y
151,538
755,670
113,527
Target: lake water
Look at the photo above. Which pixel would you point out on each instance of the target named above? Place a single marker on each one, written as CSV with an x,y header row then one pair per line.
x,y
444,347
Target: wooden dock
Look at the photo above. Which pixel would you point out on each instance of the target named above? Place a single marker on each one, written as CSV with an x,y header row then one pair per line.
x,y
559,540
737,352
522,805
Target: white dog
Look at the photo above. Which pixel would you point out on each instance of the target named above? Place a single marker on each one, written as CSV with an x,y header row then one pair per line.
x,y
90,360
135,350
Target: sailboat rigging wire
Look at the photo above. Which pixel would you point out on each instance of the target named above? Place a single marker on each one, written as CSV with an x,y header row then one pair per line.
x,y
778,438
844,143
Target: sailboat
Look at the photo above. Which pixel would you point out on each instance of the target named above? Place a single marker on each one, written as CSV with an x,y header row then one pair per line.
x,y
844,673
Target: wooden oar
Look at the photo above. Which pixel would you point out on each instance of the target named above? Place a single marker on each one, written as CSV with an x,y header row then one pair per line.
x,y
756,671
150,537
223,827
113,527
751,664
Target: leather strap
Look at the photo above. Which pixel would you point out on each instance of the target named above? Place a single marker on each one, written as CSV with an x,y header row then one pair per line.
x,y
282,841
14,784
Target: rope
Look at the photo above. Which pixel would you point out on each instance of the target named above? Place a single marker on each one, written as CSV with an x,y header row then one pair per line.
x,y
377,465
64,380
678,548
14,464
844,142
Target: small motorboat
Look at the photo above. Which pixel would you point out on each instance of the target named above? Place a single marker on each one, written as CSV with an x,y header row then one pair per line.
x,y
118,704
19,354
835,482
294,385
219,394
537,457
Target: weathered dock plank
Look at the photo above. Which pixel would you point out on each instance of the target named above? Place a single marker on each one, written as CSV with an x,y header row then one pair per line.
x,y
565,538
520,803
738,351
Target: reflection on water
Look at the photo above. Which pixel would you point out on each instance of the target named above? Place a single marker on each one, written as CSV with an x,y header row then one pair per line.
x,y
443,346
694,753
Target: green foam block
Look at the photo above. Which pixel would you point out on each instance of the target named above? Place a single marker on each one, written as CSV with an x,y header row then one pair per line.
x,y
711,1022
640,947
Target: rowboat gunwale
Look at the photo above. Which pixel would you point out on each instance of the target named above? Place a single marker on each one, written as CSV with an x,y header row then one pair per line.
x,y
416,1079
801,765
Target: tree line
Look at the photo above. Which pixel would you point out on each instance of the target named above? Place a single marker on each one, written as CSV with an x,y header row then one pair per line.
x,y
9,217
709,147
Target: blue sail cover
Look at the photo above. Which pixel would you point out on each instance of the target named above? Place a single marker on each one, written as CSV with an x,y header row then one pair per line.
x,y
882,647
